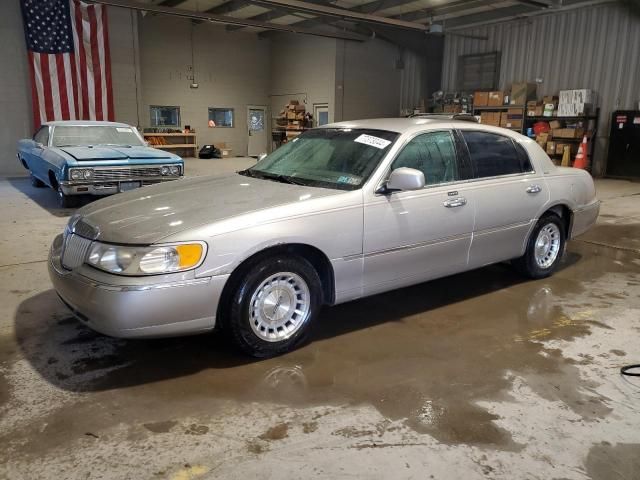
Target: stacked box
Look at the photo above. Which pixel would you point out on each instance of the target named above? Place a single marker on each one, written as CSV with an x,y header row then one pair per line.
x,y
490,118
496,99
521,93
481,99
575,103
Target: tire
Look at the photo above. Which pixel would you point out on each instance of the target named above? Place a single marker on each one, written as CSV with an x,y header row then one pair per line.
x,y
281,281
65,201
542,262
35,182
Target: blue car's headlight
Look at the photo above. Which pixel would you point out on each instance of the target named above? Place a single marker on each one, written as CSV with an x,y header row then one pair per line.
x,y
81,173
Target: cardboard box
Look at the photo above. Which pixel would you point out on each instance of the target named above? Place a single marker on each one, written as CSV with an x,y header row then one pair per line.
x,y
453,108
294,102
551,147
568,132
542,139
577,96
550,99
512,118
532,104
291,115
299,108
481,99
574,109
521,93
490,118
553,124
496,99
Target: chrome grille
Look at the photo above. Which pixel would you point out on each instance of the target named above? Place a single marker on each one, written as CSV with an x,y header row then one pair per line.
x,y
121,173
74,251
82,228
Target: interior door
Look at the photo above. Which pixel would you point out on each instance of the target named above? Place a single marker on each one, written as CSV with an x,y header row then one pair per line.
x,y
257,129
508,194
624,144
320,114
414,236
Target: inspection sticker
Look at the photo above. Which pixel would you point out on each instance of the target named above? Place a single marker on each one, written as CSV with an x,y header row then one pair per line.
x,y
123,130
350,179
372,141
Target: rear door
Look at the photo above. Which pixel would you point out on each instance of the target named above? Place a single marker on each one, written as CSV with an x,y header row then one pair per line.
x,y
508,195
412,236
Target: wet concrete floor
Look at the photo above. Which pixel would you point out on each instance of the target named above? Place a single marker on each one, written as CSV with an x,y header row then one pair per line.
x,y
479,375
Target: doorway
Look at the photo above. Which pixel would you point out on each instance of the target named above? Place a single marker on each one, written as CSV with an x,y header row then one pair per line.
x,y
320,114
257,130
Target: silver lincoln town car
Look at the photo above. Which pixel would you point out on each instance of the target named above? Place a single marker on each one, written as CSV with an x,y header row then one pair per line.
x,y
341,212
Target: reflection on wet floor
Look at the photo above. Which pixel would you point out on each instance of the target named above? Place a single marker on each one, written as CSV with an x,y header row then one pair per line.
x,y
427,354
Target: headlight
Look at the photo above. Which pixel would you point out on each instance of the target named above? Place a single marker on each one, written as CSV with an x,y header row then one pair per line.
x,y
165,170
175,170
128,260
81,173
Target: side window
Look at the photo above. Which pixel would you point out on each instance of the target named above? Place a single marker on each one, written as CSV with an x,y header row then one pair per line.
x,y
432,153
42,136
495,155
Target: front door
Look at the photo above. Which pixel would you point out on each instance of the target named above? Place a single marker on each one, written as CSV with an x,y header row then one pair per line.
x,y
414,236
257,129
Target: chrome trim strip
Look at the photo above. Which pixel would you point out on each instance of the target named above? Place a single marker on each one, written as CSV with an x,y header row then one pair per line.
x,y
465,236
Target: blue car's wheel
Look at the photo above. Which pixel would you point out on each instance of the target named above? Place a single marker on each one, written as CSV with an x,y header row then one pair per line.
x,y
35,181
66,201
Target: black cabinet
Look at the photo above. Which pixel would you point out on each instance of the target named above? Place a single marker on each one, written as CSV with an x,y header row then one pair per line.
x,y
624,144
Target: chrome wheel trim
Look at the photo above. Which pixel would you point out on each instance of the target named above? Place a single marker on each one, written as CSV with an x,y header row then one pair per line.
x,y
547,246
279,307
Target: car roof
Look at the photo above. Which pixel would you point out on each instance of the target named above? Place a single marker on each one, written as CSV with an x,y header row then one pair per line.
x,y
84,123
414,124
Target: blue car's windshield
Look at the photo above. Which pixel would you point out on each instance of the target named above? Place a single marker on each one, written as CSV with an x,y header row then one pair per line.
x,y
341,158
83,135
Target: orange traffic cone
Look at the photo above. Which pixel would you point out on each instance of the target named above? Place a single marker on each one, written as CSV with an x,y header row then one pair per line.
x,y
581,160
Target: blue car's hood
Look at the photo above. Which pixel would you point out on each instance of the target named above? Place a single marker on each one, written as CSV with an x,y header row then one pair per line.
x,y
114,153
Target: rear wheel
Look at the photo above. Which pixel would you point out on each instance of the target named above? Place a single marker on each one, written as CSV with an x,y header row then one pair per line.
x,y
274,306
35,181
545,248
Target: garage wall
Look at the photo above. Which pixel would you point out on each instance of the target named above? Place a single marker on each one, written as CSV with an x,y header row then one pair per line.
x,y
367,80
595,47
15,94
304,65
232,69
16,121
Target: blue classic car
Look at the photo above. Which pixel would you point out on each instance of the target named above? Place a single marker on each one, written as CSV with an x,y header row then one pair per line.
x,y
94,158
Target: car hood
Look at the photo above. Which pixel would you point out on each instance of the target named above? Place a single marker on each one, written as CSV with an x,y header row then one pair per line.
x,y
149,214
114,153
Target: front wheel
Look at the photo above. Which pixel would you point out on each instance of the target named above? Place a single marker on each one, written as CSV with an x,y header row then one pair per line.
x,y
65,201
545,248
274,306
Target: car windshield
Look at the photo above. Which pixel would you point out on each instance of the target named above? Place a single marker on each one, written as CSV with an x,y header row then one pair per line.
x,y
340,158
84,135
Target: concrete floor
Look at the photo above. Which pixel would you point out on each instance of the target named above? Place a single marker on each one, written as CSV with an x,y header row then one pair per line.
x,y
481,375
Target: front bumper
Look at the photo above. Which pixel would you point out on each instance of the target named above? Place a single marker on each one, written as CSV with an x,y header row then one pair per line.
x,y
71,187
584,218
144,310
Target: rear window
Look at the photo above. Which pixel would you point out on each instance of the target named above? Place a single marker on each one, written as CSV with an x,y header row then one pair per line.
x,y
494,155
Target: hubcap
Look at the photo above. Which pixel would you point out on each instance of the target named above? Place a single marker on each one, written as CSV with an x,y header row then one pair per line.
x,y
547,245
279,307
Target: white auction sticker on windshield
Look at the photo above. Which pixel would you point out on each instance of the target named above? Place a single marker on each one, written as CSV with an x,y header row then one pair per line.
x,y
372,141
123,130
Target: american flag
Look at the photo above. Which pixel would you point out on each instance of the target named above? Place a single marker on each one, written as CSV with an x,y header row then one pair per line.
x,y
69,61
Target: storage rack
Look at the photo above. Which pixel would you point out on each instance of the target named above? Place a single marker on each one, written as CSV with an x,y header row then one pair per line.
x,y
586,119
176,141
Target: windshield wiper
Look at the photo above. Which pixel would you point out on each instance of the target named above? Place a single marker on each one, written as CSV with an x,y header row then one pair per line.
x,y
278,177
113,145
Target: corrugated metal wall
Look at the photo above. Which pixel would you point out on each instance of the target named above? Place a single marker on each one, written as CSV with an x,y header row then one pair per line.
x,y
594,47
412,80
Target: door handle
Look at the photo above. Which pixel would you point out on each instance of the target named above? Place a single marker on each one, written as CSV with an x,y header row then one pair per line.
x,y
533,189
455,202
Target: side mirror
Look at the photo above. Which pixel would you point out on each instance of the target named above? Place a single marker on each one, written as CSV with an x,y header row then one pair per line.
x,y
403,179
261,156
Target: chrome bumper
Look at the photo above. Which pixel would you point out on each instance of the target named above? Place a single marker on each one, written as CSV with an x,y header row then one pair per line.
x,y
144,310
584,218
107,187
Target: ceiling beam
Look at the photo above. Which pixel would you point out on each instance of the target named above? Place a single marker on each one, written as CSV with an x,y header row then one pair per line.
x,y
171,3
341,13
370,7
227,7
210,17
